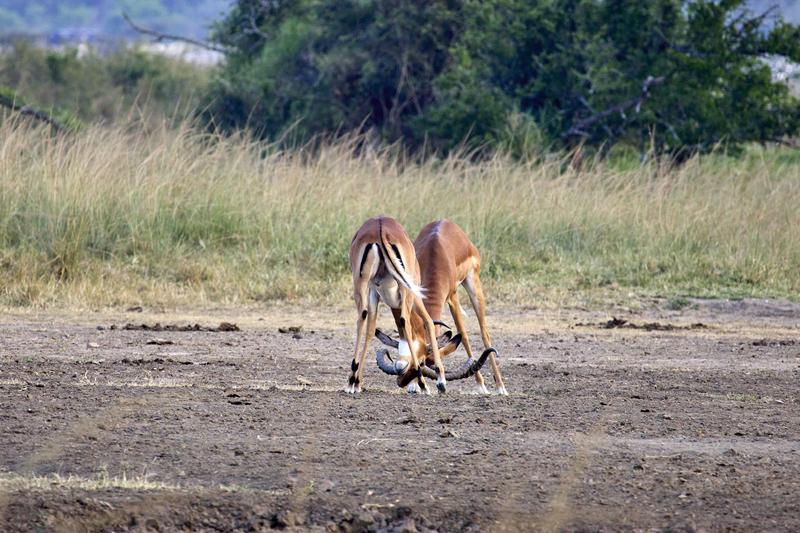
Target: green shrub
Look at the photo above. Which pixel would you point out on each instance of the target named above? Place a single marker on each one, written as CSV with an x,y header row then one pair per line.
x,y
94,87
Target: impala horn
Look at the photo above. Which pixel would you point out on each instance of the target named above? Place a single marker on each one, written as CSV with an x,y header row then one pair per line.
x,y
440,323
469,368
441,340
393,368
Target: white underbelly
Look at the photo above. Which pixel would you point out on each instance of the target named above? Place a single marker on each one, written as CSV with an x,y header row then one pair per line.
x,y
389,291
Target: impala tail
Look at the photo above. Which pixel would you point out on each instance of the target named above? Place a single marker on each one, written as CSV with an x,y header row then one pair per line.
x,y
396,266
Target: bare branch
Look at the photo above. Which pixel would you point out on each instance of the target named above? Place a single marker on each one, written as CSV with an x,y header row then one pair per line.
x,y
253,28
31,112
579,128
169,37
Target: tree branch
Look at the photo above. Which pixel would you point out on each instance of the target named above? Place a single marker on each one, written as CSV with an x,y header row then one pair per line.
x,y
169,37
31,112
579,128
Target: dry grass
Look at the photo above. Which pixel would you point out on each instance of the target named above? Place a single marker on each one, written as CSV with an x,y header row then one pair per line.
x,y
100,481
174,217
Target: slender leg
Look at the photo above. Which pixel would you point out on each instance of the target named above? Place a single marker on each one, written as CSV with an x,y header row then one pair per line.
x,y
402,318
458,318
360,296
372,317
366,306
430,329
473,286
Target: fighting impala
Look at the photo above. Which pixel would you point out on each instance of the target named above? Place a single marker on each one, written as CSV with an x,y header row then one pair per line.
x,y
385,269
447,259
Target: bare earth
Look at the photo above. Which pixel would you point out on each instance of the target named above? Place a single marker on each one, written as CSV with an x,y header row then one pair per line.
x,y
606,429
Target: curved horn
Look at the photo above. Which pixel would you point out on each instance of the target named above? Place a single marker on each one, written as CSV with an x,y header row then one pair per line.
x,y
393,369
444,338
386,339
469,368
440,323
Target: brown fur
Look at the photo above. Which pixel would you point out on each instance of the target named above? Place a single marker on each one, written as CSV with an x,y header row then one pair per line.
x,y
374,261
448,259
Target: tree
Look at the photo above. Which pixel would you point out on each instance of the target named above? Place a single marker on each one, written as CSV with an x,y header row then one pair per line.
x,y
682,76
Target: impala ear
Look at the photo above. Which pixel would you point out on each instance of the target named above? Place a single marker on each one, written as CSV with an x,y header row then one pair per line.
x,y
451,346
443,339
386,339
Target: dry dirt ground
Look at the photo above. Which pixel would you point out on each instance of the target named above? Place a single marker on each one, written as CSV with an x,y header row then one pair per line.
x,y
616,428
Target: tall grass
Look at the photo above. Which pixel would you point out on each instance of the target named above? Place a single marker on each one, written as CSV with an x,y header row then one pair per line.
x,y
164,216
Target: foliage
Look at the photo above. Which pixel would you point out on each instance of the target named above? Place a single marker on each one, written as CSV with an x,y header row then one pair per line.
x,y
92,87
677,75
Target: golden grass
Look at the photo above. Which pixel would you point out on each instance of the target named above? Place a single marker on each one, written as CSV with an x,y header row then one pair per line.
x,y
115,216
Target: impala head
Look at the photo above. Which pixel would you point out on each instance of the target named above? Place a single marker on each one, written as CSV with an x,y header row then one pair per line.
x,y
406,371
411,357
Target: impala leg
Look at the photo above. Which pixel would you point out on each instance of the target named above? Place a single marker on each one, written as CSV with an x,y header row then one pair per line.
x,y
402,318
361,297
473,286
430,329
458,318
372,317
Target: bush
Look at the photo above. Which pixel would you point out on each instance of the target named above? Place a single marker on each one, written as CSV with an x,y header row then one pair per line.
x,y
95,87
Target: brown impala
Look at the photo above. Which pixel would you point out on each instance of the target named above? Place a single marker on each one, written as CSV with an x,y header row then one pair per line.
x,y
385,269
447,259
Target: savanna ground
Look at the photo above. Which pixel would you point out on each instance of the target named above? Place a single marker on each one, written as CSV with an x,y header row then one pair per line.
x,y
690,422
671,426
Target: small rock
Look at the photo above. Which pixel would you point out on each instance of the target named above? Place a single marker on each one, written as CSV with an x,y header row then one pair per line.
x,y
297,336
449,433
135,309
290,329
160,342
92,345
303,381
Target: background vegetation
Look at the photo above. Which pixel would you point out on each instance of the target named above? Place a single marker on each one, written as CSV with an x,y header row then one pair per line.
x,y
675,76
182,184
101,88
123,215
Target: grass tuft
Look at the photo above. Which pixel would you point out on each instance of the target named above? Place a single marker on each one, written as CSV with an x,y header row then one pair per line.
x,y
114,216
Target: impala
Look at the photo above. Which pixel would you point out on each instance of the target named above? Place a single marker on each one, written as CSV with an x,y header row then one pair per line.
x,y
385,268
447,259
